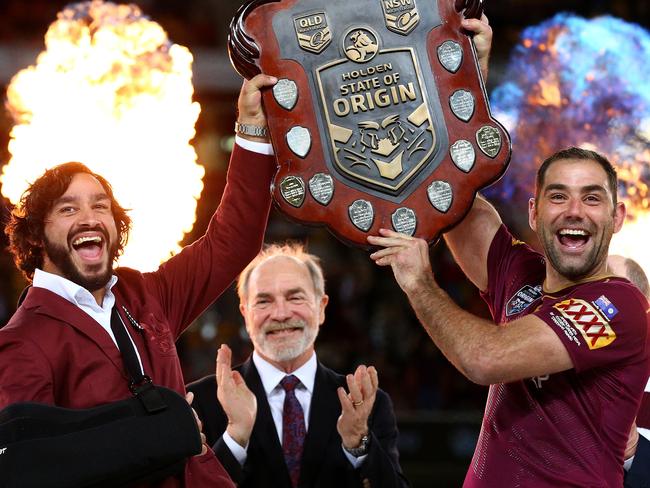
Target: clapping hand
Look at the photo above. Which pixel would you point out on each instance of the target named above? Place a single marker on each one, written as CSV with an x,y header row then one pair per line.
x,y
236,399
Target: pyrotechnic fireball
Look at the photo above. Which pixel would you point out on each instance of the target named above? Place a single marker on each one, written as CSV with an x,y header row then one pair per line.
x,y
111,91
578,82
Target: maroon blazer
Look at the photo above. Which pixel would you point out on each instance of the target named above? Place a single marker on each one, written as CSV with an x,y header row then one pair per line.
x,y
54,353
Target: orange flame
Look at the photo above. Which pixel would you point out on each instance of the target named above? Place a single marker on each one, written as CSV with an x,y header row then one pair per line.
x,y
112,92
633,239
570,82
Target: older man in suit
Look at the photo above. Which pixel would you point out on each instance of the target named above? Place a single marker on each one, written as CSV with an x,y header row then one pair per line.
x,y
282,419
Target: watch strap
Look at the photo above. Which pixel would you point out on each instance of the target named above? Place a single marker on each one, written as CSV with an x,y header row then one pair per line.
x,y
362,449
251,130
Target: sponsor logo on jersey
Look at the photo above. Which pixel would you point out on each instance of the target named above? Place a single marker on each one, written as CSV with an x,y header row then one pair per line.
x,y
521,300
593,326
568,328
606,307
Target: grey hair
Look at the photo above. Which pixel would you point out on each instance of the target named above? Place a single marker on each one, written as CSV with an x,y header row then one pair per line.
x,y
294,250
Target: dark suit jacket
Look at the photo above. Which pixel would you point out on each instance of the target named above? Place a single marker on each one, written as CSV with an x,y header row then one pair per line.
x,y
54,353
323,462
639,474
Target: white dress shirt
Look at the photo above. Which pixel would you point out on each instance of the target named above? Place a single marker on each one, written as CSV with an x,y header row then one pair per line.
x,y
271,377
83,299
254,146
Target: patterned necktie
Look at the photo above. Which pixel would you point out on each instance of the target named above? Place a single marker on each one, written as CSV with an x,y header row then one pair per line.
x,y
293,428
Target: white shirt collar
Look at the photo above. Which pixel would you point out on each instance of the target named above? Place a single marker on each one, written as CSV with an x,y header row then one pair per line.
x,y
69,290
271,376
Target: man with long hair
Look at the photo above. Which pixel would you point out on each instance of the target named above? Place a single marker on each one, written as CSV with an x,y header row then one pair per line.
x,y
66,343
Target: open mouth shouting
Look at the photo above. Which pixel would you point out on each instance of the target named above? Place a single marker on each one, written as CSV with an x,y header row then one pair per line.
x,y
573,240
89,247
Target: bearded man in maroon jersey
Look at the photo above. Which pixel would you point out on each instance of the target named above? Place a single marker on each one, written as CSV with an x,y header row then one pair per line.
x,y
568,361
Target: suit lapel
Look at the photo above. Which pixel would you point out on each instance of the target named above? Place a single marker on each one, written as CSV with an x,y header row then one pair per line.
x,y
265,436
324,412
45,302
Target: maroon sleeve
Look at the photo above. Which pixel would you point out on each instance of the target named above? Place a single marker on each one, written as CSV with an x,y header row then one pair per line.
x,y
600,323
190,281
25,374
643,417
511,263
206,471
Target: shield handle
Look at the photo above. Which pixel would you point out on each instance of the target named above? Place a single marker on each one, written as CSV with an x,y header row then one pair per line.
x,y
473,8
241,47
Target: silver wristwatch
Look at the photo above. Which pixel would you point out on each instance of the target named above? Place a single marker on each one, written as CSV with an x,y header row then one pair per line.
x,y
250,130
362,450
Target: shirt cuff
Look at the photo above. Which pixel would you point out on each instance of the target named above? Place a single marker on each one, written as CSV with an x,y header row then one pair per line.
x,y
254,146
238,451
356,462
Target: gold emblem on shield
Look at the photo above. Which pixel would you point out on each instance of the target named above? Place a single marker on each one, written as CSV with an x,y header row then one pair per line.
x,y
401,15
379,125
313,32
361,45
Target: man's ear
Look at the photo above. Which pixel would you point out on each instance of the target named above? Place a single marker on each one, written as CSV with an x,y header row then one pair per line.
x,y
619,216
532,214
324,300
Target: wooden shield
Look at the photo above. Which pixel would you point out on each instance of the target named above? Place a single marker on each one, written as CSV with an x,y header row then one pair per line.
x,y
380,117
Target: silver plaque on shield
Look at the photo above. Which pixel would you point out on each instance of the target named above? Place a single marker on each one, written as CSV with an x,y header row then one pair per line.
x,y
462,104
299,140
361,214
321,187
463,155
489,140
440,195
292,189
285,93
450,55
404,221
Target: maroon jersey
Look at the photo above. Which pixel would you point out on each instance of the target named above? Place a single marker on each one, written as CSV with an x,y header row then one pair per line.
x,y
643,423
570,428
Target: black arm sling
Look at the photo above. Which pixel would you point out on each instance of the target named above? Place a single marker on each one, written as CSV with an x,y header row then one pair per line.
x,y
144,438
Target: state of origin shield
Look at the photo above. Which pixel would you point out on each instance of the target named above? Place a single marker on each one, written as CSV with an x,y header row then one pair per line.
x,y
380,117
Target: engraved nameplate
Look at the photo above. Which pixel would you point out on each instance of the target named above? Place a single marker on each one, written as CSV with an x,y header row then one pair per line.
x,y
285,93
321,187
450,55
299,141
292,189
489,140
440,195
361,214
462,104
404,221
463,155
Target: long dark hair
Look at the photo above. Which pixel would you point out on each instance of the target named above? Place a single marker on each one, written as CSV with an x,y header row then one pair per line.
x,y
27,221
